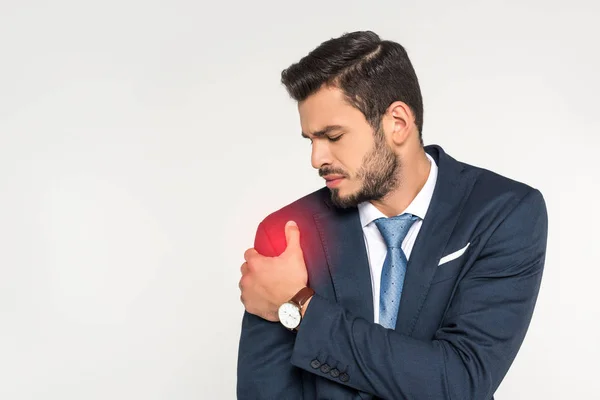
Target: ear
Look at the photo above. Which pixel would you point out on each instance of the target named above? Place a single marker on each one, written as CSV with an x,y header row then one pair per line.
x,y
400,122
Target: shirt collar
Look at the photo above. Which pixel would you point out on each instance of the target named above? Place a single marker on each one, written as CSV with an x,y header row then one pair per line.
x,y
368,212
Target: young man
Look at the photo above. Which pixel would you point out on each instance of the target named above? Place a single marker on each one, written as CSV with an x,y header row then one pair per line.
x,y
411,275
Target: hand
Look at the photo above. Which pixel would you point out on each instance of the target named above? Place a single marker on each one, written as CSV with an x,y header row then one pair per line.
x,y
268,282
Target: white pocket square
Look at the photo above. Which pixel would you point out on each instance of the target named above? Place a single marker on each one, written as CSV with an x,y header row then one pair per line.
x,y
453,256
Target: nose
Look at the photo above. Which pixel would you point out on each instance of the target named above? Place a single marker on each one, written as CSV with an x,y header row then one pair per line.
x,y
320,154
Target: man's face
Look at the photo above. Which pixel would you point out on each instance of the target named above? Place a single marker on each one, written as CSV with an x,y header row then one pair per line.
x,y
345,145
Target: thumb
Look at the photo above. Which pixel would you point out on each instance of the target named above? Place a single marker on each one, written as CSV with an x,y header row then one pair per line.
x,y
292,237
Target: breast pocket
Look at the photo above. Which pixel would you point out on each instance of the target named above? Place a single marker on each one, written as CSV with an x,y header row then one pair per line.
x,y
451,264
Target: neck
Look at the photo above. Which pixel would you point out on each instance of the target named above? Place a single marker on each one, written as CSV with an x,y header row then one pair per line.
x,y
414,173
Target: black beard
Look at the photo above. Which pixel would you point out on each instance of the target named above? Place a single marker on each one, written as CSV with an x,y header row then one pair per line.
x,y
379,175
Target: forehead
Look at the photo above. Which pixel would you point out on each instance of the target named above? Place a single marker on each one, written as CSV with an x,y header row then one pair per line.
x,y
328,107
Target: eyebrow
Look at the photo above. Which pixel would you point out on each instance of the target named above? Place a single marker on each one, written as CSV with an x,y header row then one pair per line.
x,y
324,131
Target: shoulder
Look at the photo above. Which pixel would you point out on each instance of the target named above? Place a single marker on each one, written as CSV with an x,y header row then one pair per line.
x,y
301,210
502,206
499,191
491,198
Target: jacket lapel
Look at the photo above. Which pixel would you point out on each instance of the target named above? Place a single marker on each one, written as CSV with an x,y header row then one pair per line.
x,y
343,243
451,189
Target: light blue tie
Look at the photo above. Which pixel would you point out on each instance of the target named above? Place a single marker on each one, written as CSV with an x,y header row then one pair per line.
x,y
393,230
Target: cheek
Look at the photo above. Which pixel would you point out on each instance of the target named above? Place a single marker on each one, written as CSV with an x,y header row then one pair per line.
x,y
351,157
358,164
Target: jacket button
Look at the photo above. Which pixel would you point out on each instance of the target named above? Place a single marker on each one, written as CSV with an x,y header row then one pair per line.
x,y
315,364
344,377
325,368
335,372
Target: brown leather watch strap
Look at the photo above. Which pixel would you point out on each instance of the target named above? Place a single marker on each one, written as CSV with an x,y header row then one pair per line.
x,y
303,295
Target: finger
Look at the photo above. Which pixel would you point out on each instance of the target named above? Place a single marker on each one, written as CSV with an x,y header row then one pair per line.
x,y
242,282
250,253
244,268
292,237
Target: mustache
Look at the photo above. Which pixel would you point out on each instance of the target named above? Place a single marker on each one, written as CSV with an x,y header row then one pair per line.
x,y
323,172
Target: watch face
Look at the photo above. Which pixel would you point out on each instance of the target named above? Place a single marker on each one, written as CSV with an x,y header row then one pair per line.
x,y
289,315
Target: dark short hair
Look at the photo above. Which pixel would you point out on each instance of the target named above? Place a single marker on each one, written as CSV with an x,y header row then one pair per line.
x,y
372,73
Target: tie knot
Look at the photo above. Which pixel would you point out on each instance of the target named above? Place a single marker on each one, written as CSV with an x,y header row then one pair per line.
x,y
395,229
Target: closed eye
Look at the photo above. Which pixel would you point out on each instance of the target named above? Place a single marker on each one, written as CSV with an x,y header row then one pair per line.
x,y
335,139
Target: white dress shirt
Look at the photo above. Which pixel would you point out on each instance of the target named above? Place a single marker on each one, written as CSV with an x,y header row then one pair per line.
x,y
374,242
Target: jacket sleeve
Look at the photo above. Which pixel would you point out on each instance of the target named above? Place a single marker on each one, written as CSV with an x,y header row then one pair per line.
x,y
264,370
476,343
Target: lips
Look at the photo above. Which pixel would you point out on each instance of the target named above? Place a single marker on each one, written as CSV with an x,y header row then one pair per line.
x,y
333,180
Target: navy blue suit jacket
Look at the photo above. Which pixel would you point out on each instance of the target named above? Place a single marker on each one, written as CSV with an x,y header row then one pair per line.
x,y
460,324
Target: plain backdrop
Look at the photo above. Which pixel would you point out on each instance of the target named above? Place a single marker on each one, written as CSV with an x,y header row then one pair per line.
x,y
141,142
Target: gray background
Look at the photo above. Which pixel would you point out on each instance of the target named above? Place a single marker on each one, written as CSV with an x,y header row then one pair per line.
x,y
141,142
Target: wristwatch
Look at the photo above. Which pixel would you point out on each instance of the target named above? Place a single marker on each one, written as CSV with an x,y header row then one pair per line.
x,y
290,314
